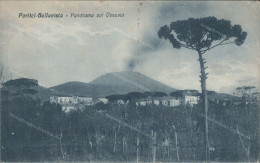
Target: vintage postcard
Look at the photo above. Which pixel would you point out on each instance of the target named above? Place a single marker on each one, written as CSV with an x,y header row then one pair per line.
x,y
129,81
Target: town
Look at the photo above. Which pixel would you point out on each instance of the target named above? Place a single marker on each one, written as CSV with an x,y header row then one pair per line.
x,y
177,98
181,97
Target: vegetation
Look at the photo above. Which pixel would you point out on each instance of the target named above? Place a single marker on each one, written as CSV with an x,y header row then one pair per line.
x,y
110,132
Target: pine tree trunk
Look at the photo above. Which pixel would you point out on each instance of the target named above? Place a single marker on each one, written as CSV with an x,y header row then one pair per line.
x,y
203,78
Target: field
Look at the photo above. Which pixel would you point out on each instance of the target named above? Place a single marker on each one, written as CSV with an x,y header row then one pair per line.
x,y
32,131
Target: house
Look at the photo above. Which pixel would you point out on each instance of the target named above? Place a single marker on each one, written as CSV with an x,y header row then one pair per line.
x,y
68,108
69,103
170,101
149,102
103,100
187,97
54,99
85,100
191,99
159,101
64,100
144,102
141,103
177,98
71,100
119,102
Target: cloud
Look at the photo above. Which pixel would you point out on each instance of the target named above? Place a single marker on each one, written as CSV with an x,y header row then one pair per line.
x,y
247,80
220,69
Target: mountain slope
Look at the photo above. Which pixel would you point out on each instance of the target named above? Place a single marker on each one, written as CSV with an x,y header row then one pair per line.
x,y
84,89
134,81
44,94
113,83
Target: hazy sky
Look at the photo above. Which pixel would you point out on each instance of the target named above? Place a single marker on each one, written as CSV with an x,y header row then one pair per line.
x,y
55,51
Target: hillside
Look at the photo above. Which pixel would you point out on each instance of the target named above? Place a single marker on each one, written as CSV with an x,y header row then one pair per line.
x,y
84,89
44,93
134,81
113,83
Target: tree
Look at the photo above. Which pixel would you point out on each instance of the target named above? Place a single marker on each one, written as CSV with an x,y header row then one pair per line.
x,y
113,98
202,35
136,95
160,94
177,94
19,98
245,90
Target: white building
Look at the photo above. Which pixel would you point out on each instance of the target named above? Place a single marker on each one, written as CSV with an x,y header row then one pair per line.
x,y
119,102
165,101
172,102
103,100
187,97
71,100
157,102
141,103
144,102
68,108
53,99
64,100
85,100
69,103
191,99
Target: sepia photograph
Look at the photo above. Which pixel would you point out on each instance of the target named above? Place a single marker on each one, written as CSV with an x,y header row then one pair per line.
x,y
129,81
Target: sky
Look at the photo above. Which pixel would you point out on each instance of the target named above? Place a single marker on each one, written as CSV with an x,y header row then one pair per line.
x,y
55,51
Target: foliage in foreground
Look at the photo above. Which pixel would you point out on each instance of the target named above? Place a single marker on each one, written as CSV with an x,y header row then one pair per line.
x,y
91,135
